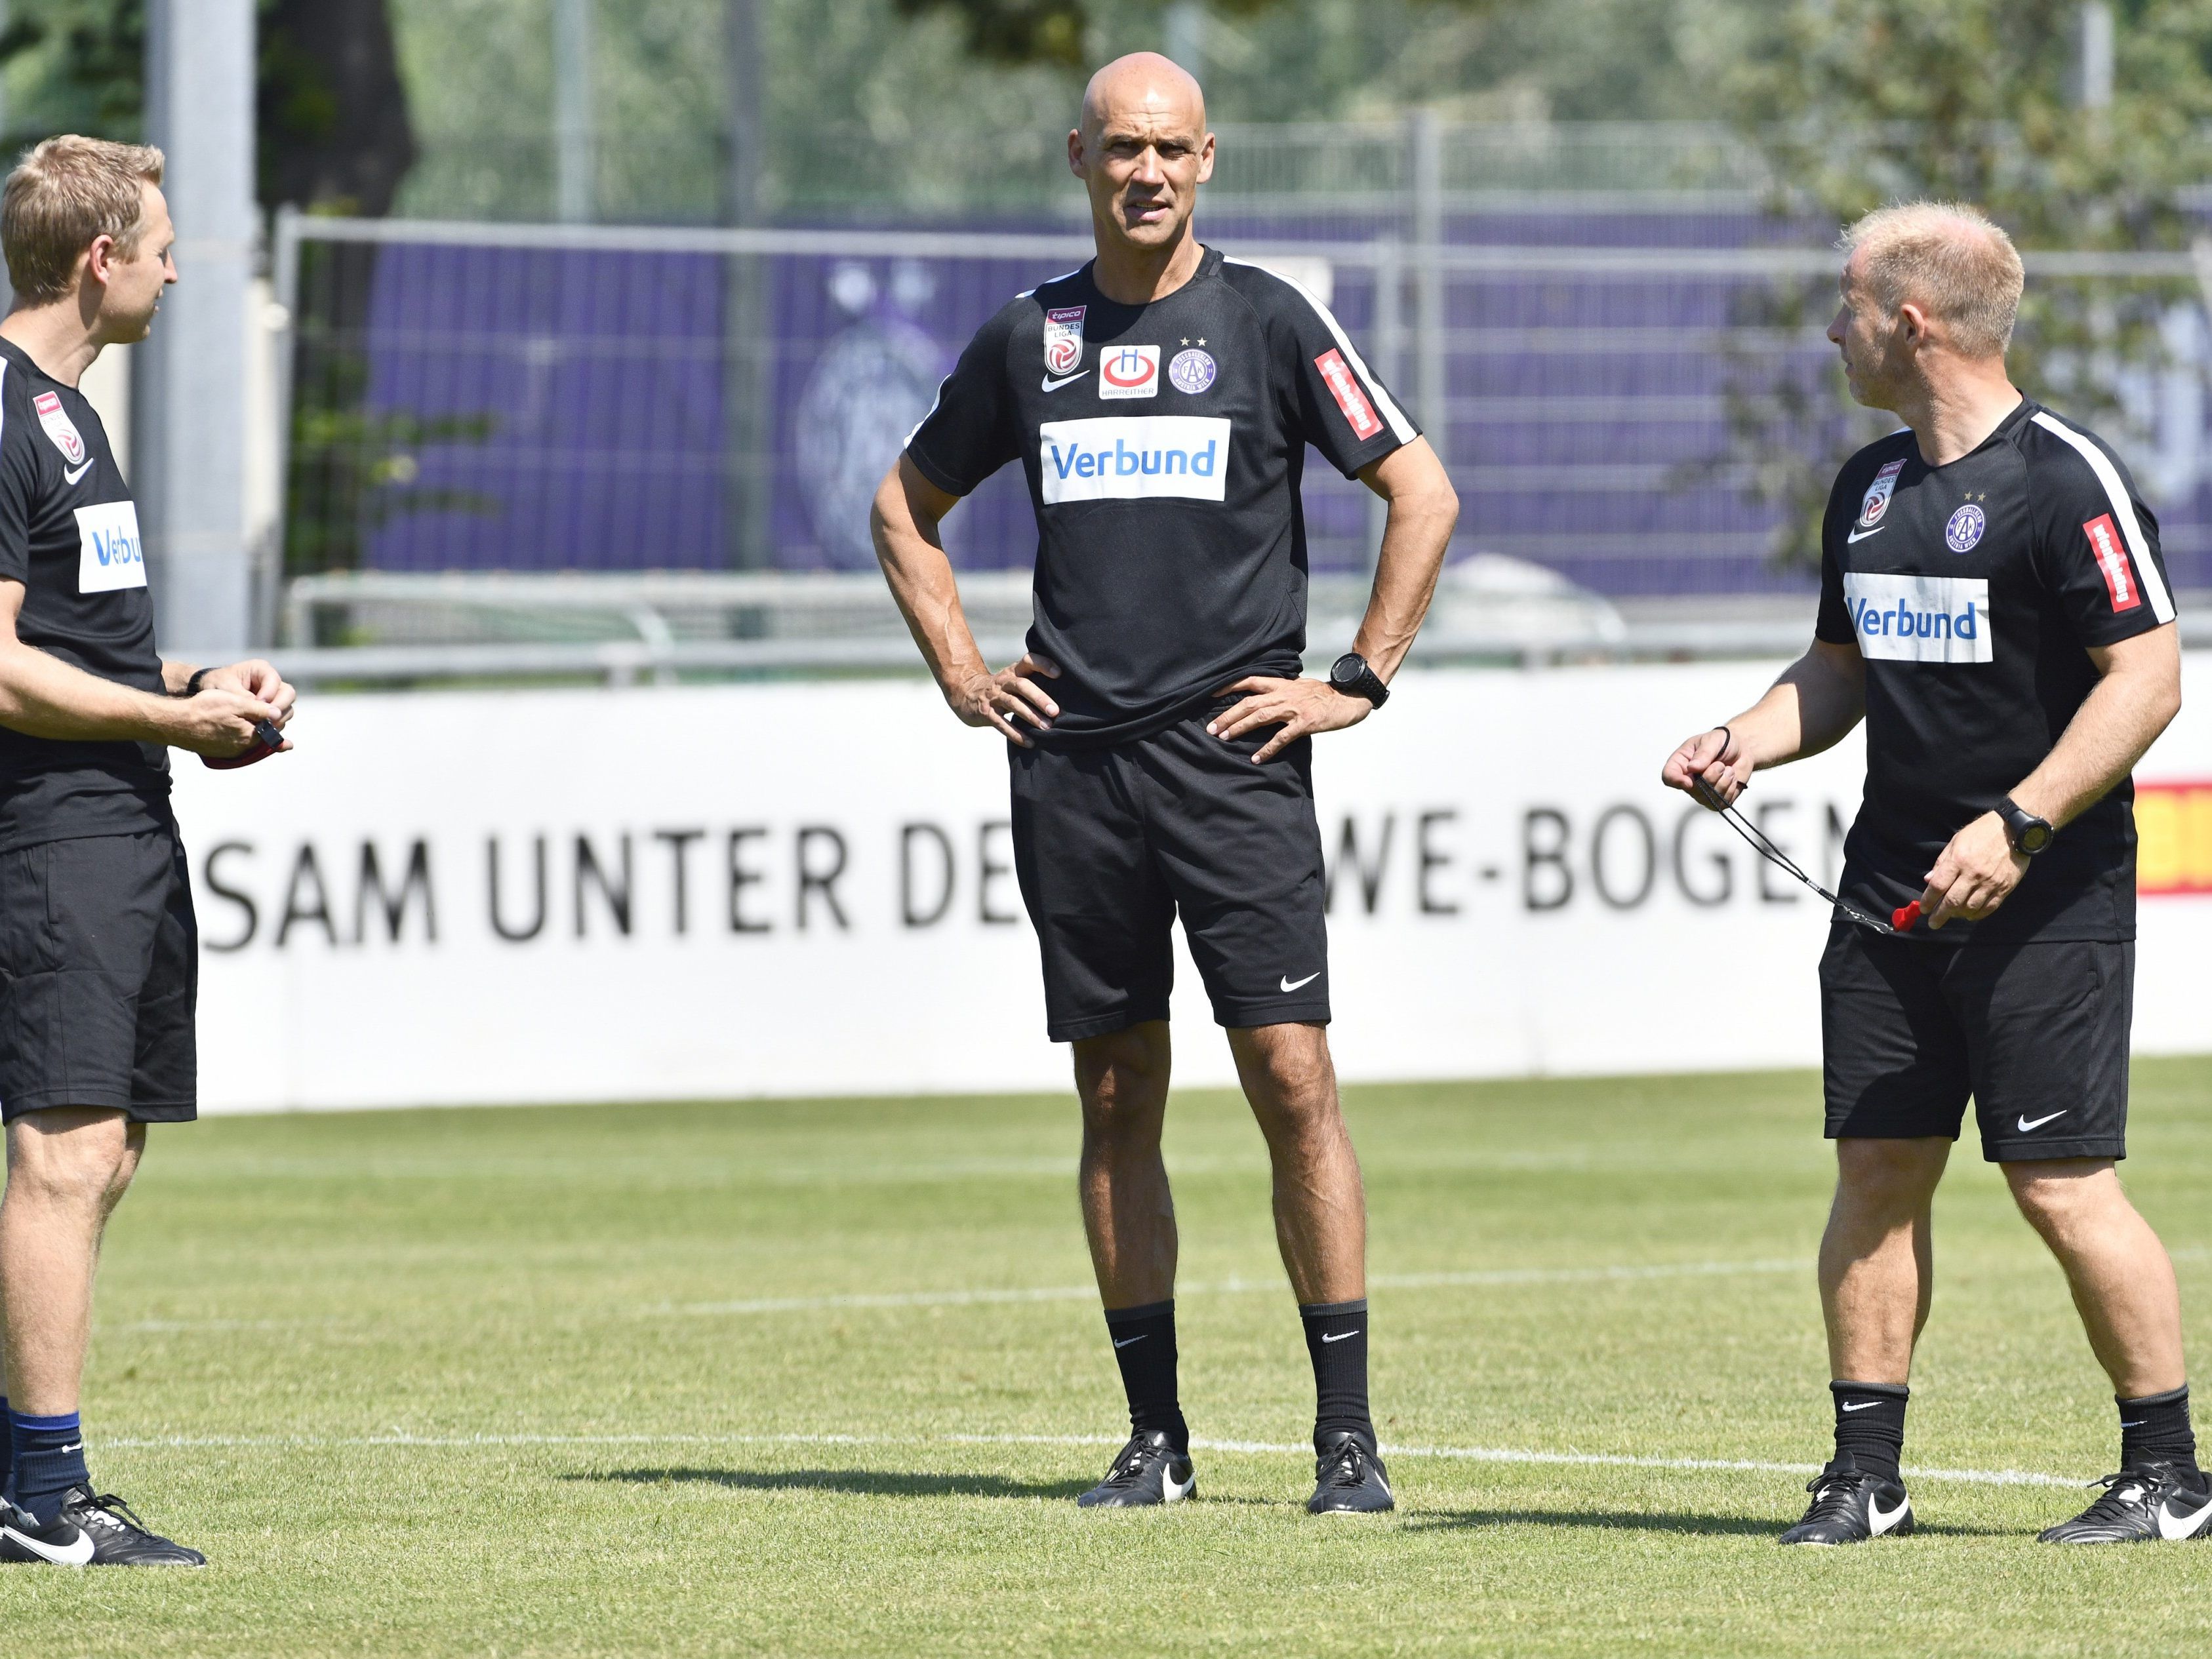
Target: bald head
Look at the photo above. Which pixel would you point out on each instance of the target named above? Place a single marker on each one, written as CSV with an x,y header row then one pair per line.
x,y
1949,260
1143,89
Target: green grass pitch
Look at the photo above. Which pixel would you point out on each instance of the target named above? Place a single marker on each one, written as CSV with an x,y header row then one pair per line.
x,y
823,1377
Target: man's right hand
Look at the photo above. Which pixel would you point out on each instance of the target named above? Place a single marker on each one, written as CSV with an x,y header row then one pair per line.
x,y
1714,758
218,722
1011,694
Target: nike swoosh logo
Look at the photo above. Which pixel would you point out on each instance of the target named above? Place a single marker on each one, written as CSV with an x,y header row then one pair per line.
x,y
1860,534
1051,385
74,473
1879,1523
1341,1336
62,1555
2171,1525
1863,1405
79,1446
2024,1125
1123,1342
1289,984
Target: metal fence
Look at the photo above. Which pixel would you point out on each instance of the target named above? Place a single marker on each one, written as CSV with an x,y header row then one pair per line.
x,y
535,399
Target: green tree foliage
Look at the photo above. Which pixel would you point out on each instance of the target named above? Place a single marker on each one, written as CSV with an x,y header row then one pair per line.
x,y
1855,103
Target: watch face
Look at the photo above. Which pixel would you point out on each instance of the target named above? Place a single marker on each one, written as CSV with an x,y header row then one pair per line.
x,y
1347,668
2034,838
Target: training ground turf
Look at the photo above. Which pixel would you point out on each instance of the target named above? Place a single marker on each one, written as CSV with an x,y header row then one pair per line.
x,y
824,1378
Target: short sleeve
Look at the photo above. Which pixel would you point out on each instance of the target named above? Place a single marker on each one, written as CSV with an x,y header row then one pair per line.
x,y
1834,625
969,431
18,489
1341,408
2097,547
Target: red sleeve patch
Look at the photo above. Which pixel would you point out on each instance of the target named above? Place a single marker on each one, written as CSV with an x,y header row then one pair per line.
x,y
2112,555
1343,386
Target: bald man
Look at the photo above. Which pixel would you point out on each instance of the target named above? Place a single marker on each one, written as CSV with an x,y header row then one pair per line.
x,y
1158,728
1994,605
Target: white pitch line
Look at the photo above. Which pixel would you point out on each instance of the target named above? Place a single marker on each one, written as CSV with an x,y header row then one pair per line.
x,y
1267,1447
1472,1279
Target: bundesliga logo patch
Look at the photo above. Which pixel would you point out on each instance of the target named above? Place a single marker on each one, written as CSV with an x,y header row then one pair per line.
x,y
1878,494
59,426
1063,339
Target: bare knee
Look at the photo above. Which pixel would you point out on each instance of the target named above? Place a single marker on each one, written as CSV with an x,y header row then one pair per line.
x,y
1122,1079
1886,1180
1287,1074
2061,1196
72,1158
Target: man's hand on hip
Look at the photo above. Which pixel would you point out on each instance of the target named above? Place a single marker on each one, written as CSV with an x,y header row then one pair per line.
x,y
1011,694
1977,873
1298,708
1712,758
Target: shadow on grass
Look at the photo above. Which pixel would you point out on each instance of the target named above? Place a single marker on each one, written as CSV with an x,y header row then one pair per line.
x,y
1741,1526
867,1483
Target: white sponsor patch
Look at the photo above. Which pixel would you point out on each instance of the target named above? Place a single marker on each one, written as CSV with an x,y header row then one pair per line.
x,y
110,556
1133,457
58,426
1130,371
1920,618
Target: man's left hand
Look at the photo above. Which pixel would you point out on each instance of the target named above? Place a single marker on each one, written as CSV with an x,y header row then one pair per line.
x,y
256,678
1298,708
1977,873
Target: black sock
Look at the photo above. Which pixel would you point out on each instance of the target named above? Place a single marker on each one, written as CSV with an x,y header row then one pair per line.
x,y
1336,1337
1145,1349
49,1461
1870,1424
2156,1430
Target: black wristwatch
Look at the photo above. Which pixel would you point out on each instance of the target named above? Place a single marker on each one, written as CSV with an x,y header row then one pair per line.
x,y
1351,675
2028,834
192,685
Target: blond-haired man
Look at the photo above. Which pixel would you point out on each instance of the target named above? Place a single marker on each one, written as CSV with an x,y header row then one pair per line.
x,y
98,950
1993,604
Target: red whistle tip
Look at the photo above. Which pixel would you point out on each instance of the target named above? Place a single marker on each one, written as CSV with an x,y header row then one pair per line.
x,y
1903,918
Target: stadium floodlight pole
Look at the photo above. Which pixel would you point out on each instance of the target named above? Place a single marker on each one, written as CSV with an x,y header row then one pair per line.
x,y
188,389
575,129
745,344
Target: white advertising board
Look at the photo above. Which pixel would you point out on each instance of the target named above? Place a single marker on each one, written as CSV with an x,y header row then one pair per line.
x,y
665,893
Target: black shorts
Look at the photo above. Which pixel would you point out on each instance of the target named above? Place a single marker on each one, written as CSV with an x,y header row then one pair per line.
x,y
2037,1033
99,974
1110,844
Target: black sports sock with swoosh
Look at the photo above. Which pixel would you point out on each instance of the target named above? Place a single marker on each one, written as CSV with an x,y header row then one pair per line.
x,y
2155,1429
1870,1424
1336,1338
1145,1349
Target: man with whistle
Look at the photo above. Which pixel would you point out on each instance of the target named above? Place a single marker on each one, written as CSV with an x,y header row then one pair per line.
x,y
1993,604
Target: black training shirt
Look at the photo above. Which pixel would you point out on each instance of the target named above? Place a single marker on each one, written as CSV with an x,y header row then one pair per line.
x,y
1164,443
1972,590
69,534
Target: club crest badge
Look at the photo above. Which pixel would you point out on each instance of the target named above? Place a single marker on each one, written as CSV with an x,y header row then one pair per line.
x,y
1192,371
1965,528
1063,339
59,426
1878,494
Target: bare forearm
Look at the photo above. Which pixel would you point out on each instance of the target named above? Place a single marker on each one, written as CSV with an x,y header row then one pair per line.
x,y
176,676
43,696
1811,707
919,573
1415,536
2116,724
